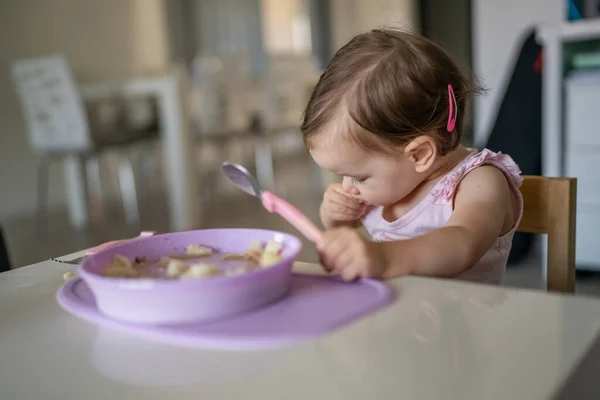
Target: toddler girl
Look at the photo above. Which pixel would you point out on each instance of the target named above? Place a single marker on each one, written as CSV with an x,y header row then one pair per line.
x,y
387,115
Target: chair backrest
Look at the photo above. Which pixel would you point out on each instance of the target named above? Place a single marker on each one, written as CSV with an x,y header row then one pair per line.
x,y
550,208
53,109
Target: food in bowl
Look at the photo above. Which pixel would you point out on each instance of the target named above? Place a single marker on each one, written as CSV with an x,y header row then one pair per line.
x,y
200,271
179,269
120,267
271,254
174,267
198,250
194,251
151,298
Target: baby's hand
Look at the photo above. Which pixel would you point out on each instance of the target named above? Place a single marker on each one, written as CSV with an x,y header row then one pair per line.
x,y
345,251
339,207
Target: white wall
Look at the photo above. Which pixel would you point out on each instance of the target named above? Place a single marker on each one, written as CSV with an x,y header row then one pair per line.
x,y
351,17
497,29
285,26
108,39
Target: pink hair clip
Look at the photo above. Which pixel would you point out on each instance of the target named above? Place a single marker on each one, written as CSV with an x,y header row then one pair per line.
x,y
452,108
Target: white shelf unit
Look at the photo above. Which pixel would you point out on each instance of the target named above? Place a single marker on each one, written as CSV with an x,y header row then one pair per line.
x,y
570,149
584,29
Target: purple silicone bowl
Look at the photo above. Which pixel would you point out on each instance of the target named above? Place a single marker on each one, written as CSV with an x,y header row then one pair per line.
x,y
162,301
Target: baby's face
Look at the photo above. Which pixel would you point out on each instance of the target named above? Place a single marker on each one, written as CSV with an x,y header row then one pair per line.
x,y
380,179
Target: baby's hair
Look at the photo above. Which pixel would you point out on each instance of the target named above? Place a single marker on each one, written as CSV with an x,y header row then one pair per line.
x,y
393,84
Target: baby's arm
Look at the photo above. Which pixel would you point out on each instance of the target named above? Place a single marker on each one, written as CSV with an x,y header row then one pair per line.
x,y
482,209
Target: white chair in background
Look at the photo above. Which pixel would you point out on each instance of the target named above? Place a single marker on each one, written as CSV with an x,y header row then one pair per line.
x,y
225,100
58,127
286,89
232,109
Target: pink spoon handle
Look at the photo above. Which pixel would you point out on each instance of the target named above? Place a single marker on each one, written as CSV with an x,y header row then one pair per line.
x,y
291,214
106,245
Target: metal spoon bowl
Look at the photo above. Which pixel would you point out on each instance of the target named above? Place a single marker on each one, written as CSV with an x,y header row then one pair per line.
x,y
245,181
242,178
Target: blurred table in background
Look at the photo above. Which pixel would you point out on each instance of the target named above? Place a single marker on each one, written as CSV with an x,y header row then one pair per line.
x,y
168,90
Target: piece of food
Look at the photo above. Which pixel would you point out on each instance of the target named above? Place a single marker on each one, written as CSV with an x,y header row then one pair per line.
x,y
270,255
69,275
164,261
120,272
269,259
176,268
234,257
267,256
197,250
255,250
257,256
273,247
185,256
121,261
198,271
254,257
120,267
193,251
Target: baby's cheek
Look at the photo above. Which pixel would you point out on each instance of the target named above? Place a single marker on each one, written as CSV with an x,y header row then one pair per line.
x,y
382,196
370,197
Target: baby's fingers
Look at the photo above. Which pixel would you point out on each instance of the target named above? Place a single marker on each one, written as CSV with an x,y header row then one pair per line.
x,y
344,193
331,247
342,209
349,274
344,201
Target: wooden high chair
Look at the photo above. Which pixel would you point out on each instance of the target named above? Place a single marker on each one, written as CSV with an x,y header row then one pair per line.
x,y
550,208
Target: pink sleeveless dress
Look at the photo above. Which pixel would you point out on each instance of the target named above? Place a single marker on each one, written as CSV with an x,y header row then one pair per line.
x,y
435,209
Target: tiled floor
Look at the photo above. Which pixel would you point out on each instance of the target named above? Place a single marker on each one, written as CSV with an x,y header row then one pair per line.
x,y
295,180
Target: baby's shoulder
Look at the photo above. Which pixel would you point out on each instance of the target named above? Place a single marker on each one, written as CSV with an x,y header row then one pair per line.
x,y
481,171
486,178
484,172
489,163
488,191
488,169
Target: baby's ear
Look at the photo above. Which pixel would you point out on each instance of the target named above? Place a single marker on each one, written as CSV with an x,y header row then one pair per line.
x,y
422,152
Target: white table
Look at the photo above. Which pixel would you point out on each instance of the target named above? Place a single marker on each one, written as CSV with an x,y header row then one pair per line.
x,y
440,339
181,179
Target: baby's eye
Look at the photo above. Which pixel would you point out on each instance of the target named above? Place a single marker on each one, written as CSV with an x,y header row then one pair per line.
x,y
358,181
